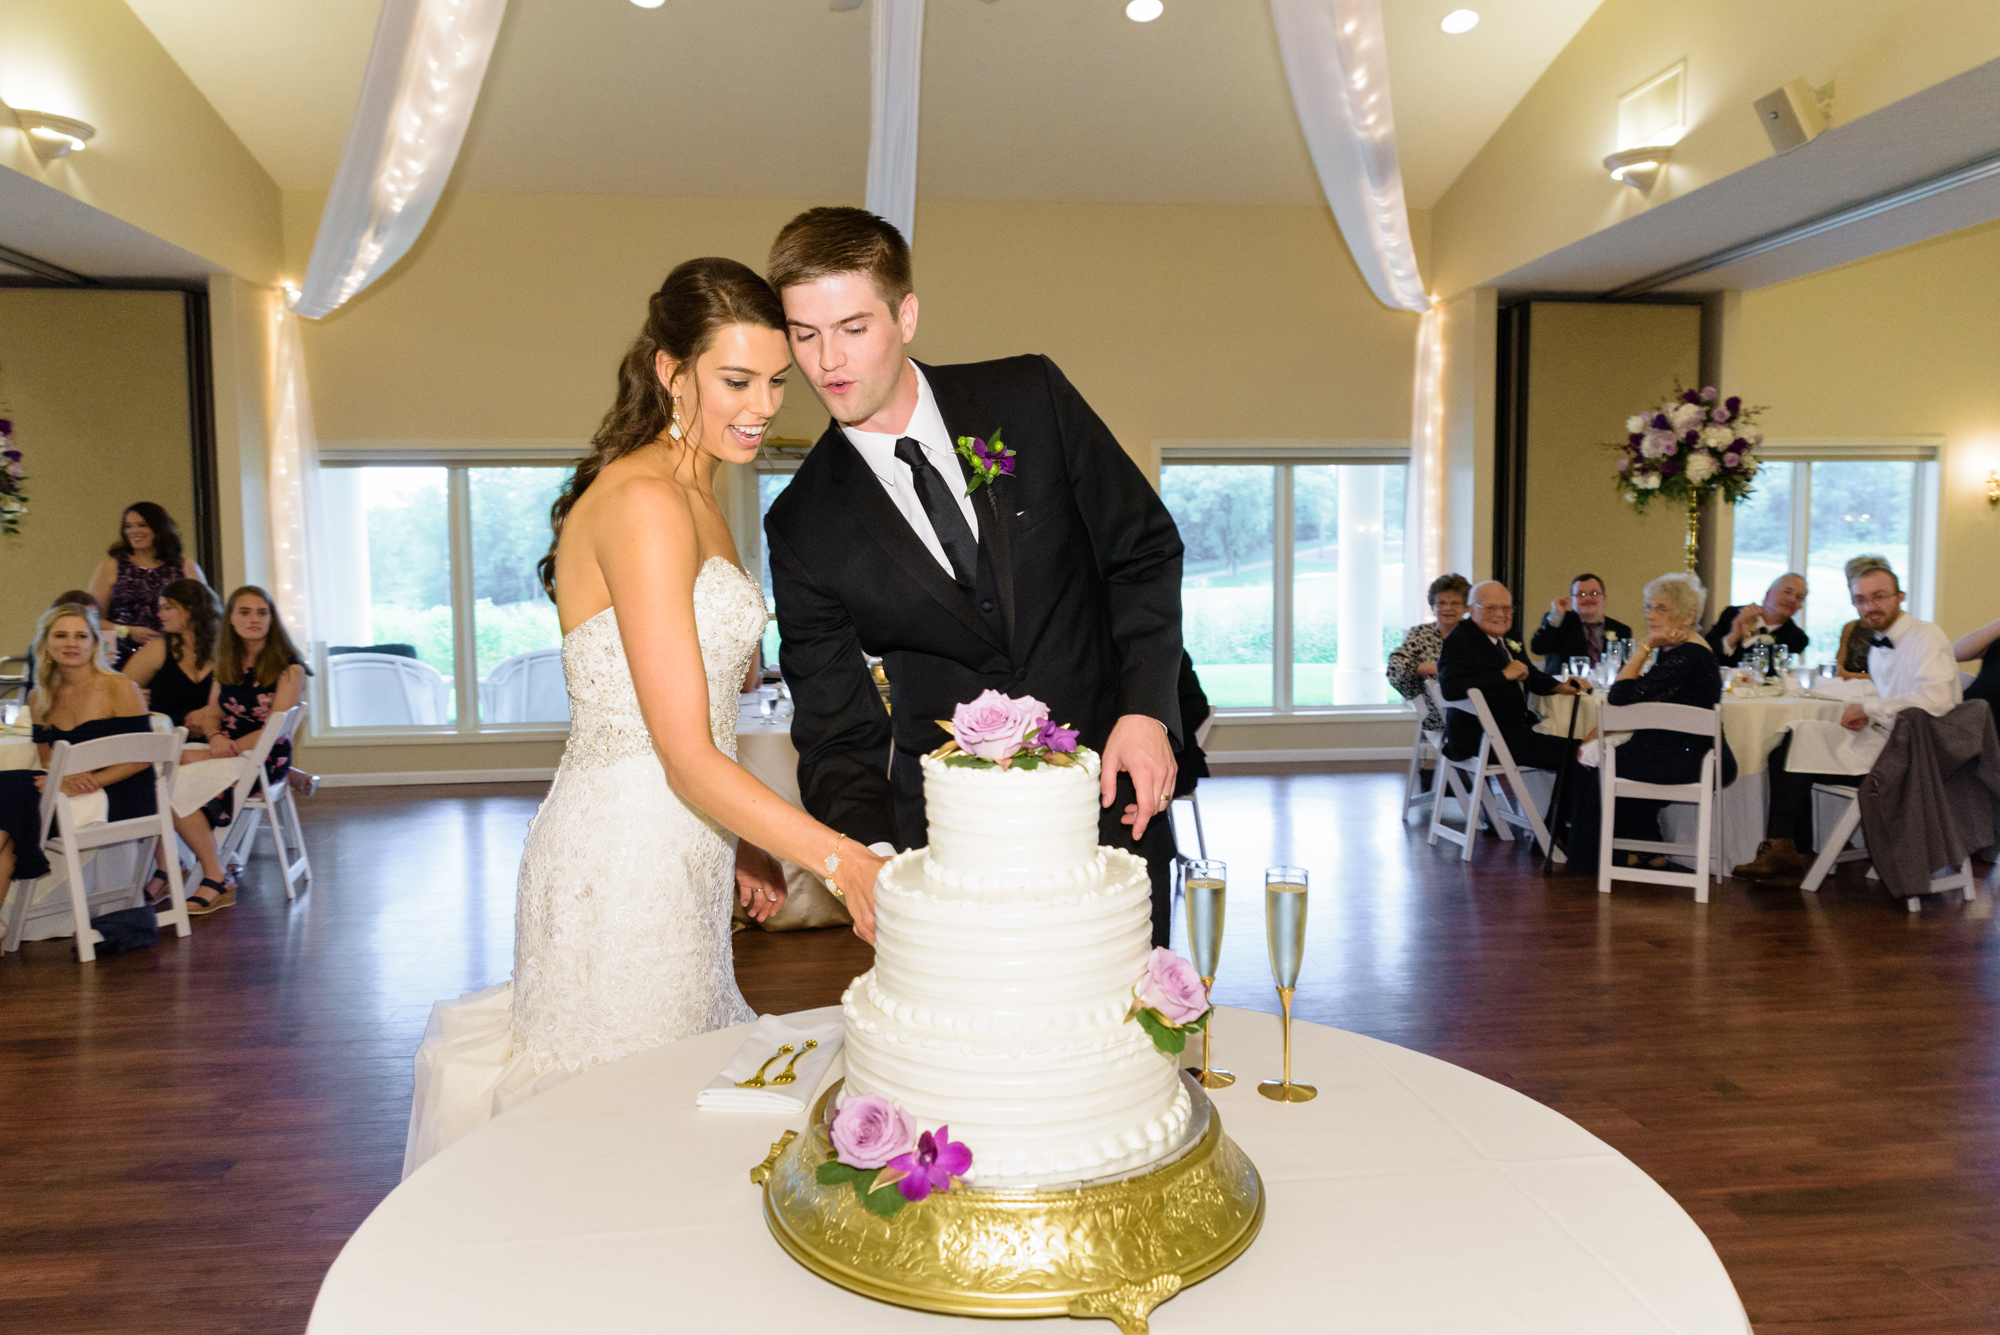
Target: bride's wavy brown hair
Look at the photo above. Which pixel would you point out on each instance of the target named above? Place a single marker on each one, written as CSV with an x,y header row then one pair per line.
x,y
699,299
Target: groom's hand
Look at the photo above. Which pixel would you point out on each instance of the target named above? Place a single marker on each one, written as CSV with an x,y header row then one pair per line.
x,y
1138,747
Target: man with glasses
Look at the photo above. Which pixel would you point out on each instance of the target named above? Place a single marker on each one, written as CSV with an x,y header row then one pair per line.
x,y
1576,626
1912,667
1477,655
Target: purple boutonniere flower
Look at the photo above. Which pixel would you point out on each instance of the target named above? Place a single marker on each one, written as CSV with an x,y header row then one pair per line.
x,y
989,458
935,1165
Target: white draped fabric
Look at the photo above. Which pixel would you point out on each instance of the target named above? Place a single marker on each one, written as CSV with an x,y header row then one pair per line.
x,y
895,72
1423,518
293,481
1338,69
417,96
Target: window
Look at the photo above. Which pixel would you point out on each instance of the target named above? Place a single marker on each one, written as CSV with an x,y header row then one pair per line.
x,y
1292,587
433,615
1817,505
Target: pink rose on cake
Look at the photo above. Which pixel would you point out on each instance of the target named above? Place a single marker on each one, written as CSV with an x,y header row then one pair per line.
x,y
869,1130
1171,988
994,727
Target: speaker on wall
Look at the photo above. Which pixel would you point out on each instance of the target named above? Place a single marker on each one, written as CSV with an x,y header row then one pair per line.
x,y
1791,115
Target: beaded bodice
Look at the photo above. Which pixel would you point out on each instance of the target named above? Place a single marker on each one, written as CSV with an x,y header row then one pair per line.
x,y
605,724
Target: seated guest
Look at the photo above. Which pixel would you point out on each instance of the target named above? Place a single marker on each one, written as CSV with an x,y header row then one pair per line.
x,y
1673,665
257,674
1477,655
1576,627
1983,644
177,673
1850,661
1911,662
134,572
1775,617
1415,659
78,700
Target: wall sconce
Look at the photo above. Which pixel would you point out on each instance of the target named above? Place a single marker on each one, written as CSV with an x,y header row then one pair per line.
x,y
1638,167
50,135
1993,488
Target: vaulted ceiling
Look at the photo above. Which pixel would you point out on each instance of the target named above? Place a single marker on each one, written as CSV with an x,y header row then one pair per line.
x,y
1022,99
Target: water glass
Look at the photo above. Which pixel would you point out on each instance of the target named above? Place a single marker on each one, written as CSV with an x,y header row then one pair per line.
x,y
1580,667
10,710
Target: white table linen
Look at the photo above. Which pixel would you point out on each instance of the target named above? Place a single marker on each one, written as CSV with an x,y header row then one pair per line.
x,y
1917,672
763,1050
1411,1196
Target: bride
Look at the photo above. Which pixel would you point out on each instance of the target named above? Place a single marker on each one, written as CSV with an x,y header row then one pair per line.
x,y
621,928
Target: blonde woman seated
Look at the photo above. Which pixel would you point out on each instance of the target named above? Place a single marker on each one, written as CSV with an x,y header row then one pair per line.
x,y
1672,665
77,699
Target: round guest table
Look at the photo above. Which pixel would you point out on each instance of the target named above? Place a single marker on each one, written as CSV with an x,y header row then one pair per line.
x,y
1411,1196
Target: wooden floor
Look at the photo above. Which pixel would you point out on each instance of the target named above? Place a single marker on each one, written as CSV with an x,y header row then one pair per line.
x,y
188,1134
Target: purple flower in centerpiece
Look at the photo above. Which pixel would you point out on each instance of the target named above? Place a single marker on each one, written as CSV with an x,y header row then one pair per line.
x,y
935,1164
1669,449
1731,459
994,727
1172,988
1708,393
869,1130
1690,396
1054,736
1718,415
1733,404
1661,423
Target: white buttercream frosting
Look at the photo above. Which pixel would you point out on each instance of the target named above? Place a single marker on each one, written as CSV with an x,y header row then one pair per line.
x,y
1005,956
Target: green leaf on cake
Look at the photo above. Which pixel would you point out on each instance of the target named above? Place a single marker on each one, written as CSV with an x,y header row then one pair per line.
x,y
1165,1037
882,1202
969,762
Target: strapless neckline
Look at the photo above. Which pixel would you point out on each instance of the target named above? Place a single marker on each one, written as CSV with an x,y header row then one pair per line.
x,y
699,574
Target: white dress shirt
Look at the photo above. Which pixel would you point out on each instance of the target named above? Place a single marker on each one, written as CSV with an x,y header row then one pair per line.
x,y
927,428
1917,671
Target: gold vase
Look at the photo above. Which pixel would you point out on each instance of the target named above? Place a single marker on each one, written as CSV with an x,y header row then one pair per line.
x,y
1115,1247
1694,533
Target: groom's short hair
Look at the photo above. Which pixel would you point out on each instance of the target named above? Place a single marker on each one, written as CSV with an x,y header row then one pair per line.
x,y
825,241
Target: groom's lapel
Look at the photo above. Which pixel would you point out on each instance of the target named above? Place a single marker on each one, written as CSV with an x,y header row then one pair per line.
x,y
860,493
996,516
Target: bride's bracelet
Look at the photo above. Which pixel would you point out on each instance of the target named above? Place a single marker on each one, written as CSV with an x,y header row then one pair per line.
x,y
833,866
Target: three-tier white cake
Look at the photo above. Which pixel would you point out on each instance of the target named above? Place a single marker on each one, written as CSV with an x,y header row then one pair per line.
x,y
1005,957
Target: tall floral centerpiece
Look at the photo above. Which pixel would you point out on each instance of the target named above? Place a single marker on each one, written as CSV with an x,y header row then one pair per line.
x,y
13,479
1694,445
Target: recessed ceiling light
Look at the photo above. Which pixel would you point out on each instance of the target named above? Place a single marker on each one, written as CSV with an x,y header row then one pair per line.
x,y
649,4
1460,20
1144,11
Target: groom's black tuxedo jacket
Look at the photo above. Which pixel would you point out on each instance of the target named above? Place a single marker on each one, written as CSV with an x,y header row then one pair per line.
x,y
1471,661
1078,602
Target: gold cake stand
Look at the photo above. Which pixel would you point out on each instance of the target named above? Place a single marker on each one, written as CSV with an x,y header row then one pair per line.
x,y
1114,1247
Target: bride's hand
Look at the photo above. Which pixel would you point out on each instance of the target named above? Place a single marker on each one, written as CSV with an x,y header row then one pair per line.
x,y
760,881
856,881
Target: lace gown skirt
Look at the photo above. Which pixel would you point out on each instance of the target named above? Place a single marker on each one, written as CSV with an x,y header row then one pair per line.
x,y
621,925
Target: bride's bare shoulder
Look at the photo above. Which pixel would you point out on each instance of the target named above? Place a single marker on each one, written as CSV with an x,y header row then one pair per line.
x,y
629,492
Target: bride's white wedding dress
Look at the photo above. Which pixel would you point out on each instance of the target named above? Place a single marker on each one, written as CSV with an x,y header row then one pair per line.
x,y
621,927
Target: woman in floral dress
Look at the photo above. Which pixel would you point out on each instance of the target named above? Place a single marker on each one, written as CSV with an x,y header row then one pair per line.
x,y
134,573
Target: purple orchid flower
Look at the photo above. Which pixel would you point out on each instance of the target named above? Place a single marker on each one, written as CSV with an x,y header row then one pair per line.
x,y
932,1165
1054,737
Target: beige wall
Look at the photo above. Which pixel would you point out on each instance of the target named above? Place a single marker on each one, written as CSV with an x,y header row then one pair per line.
x,y
1470,334
163,160
1589,368
1538,184
97,386
1903,344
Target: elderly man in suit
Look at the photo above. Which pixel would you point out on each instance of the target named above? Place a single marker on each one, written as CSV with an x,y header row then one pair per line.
x,y
1576,627
1477,655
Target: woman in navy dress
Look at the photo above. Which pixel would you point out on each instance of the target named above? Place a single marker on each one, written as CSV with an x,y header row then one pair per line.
x,y
135,571
77,700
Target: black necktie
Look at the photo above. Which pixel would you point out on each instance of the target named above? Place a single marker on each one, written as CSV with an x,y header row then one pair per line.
x,y
941,507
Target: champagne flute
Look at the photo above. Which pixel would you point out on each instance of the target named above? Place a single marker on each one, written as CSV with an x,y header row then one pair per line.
x,y
1206,887
1285,931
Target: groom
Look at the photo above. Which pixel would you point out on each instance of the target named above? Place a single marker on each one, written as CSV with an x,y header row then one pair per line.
x,y
1061,580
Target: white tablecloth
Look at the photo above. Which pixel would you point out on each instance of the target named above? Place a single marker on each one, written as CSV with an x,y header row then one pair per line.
x,y
1411,1196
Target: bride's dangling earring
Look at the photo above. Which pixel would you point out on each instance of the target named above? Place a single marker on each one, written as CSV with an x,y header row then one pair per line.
x,y
674,429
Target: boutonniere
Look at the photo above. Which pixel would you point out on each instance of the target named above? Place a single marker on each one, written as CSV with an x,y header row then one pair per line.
x,y
989,459
1515,645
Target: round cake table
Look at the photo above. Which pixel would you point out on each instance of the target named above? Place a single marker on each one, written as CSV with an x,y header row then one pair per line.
x,y
1411,1196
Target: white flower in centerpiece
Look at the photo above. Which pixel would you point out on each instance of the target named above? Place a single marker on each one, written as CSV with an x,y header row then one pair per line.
x,y
1686,415
1748,465
1655,442
1636,422
1717,438
1647,481
1700,466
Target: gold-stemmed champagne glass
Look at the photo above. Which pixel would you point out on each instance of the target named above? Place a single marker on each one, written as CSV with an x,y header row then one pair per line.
x,y
1206,886
1285,930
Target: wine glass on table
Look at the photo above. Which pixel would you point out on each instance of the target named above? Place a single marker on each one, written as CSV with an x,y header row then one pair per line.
x,y
1206,887
1285,931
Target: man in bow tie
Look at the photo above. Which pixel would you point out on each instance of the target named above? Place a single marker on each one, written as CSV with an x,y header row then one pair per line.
x,y
1912,667
1477,655
1057,576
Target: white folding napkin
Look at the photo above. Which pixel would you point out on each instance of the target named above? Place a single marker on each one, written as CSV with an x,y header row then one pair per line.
x,y
1843,688
770,1033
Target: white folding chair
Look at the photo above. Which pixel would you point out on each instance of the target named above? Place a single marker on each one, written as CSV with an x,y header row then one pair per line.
x,y
1834,848
1194,799
1426,745
256,796
1705,793
72,839
1476,784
